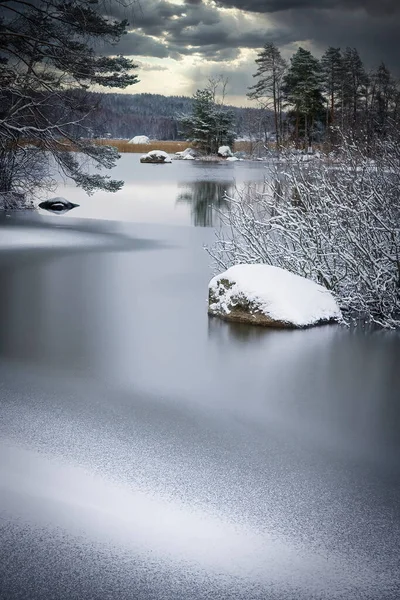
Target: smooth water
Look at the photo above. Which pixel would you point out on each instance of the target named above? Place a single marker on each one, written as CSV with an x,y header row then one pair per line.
x,y
177,193
149,452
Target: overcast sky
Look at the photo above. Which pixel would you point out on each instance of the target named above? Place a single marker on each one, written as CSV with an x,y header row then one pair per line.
x,y
178,44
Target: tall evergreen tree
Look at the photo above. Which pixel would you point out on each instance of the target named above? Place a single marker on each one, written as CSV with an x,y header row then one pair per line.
x,y
354,88
210,124
332,69
268,89
303,91
383,97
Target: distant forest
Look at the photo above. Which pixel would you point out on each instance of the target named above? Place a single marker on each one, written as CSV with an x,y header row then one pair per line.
x,y
157,116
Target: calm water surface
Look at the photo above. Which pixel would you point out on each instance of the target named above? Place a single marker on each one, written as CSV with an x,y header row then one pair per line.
x,y
179,193
148,452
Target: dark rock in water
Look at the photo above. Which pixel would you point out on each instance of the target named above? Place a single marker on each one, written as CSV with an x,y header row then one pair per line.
x,y
57,205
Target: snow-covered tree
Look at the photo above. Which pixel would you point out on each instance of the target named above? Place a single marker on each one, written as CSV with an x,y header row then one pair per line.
x,y
49,57
302,89
268,89
210,124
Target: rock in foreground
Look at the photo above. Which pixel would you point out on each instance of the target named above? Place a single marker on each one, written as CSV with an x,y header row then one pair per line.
x,y
156,157
270,297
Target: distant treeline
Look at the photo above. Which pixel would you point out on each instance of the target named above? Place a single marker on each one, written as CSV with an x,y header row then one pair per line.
x,y
157,116
312,98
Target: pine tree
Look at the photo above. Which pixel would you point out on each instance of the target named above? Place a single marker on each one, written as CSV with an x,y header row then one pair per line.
x,y
354,88
302,90
48,59
383,97
332,69
210,124
268,89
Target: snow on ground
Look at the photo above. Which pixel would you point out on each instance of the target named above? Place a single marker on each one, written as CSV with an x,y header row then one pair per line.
x,y
275,293
233,158
139,139
224,151
187,154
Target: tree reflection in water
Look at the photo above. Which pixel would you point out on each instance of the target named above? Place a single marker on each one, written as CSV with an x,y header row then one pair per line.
x,y
205,197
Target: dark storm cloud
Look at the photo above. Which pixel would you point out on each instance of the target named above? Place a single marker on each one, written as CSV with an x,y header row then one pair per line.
x,y
162,28
137,44
375,7
377,40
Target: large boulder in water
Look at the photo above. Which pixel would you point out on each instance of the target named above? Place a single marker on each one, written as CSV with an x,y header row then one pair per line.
x,y
57,205
155,157
272,297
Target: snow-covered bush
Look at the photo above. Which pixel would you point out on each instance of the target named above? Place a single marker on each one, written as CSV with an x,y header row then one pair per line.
x,y
336,222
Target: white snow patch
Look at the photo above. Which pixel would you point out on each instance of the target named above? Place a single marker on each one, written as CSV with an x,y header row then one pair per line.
x,y
276,293
233,158
224,151
158,154
186,152
139,139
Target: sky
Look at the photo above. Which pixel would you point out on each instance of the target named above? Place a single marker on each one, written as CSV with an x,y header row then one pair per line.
x,y
179,44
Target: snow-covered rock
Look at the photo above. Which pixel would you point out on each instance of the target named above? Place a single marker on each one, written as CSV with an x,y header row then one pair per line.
x,y
187,154
272,297
224,151
139,139
233,158
58,205
155,156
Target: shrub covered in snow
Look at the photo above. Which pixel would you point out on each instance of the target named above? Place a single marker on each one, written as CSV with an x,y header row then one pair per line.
x,y
337,224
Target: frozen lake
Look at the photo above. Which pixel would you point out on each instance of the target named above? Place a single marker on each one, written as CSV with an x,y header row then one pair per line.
x,y
149,452
179,193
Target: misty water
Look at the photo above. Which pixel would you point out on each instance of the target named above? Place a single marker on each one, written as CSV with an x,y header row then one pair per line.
x,y
150,452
